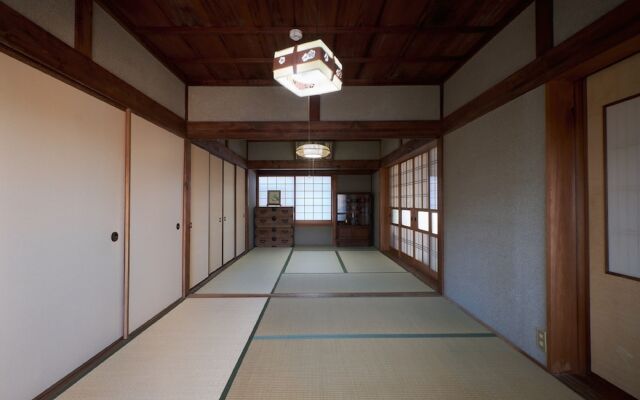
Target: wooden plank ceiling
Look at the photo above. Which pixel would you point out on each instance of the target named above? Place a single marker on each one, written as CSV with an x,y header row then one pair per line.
x,y
380,42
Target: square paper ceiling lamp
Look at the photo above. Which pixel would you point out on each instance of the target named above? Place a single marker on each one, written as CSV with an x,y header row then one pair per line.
x,y
308,69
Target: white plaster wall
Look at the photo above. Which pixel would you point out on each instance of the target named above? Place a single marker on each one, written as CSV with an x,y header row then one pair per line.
x,y
55,16
494,225
570,16
220,103
358,150
366,103
508,51
124,56
61,197
388,145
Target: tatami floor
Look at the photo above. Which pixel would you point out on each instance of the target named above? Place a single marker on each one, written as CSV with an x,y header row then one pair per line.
x,y
317,323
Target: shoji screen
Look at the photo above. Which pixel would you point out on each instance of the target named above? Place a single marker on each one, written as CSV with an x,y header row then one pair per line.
x,y
157,158
199,260
61,197
215,213
414,209
229,212
241,207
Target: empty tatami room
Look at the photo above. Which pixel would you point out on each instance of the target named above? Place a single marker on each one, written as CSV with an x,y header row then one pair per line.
x,y
380,199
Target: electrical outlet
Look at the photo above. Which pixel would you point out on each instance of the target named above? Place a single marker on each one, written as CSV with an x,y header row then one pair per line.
x,y
541,339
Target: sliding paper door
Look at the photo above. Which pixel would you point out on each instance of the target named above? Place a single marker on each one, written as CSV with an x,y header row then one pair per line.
x,y
241,207
215,213
229,212
61,198
157,158
199,258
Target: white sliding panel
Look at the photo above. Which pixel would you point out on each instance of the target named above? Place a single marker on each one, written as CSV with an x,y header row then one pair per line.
x,y
229,211
157,158
199,260
241,207
61,197
215,213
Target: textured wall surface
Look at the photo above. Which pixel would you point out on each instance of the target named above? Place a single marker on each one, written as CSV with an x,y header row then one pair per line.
x,y
55,16
219,103
570,16
123,55
353,183
388,145
239,147
494,222
508,51
362,103
271,151
313,235
362,150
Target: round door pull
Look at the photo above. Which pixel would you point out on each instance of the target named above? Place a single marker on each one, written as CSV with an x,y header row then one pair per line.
x,y
114,236
178,226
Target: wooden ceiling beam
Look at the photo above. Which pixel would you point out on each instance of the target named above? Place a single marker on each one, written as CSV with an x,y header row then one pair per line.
x,y
342,165
344,60
221,151
310,30
346,82
319,130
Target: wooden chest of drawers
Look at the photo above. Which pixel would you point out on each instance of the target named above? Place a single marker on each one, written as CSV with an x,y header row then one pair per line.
x,y
274,226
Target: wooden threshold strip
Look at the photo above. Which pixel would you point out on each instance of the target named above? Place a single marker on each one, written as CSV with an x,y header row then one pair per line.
x,y
312,295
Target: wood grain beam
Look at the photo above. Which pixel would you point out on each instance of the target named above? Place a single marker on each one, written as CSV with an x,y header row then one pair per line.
x,y
615,35
343,60
221,151
83,41
314,108
22,39
308,30
544,26
346,82
320,130
342,165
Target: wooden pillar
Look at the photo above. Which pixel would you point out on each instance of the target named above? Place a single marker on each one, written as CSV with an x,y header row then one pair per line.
x,y
84,27
565,229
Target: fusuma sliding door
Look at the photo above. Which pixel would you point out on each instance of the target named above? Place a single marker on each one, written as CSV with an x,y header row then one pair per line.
x,y
241,207
157,162
229,212
199,257
61,228
215,213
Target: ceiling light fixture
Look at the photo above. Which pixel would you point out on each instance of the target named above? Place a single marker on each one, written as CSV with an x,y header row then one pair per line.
x,y
310,150
307,69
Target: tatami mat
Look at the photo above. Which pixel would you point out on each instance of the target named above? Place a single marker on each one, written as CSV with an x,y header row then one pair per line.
x,y
434,368
255,272
333,248
188,354
355,315
314,262
368,261
341,283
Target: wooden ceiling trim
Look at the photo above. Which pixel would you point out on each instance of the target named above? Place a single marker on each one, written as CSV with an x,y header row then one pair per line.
x,y
122,19
21,38
611,38
83,41
368,165
345,60
346,82
310,30
320,130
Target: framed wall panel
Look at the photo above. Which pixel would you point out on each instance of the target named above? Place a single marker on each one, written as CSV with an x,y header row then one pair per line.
x,y
215,213
199,215
61,198
157,161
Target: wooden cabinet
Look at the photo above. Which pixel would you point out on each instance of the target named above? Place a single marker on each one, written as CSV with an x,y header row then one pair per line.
x,y
274,226
354,219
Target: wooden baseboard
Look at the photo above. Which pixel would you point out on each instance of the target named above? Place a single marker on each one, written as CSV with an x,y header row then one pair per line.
x,y
593,387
